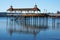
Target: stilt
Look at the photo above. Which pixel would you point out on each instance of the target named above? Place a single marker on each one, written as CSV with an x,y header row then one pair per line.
x,y
7,25
53,23
14,23
47,21
43,22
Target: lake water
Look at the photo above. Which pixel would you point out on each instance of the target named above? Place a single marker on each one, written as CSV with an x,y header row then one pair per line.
x,y
30,28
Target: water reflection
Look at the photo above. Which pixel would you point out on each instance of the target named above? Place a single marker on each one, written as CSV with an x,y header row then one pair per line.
x,y
27,30
30,28
21,26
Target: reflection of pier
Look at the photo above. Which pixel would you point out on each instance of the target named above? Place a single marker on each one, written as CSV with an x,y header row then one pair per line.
x,y
27,22
26,29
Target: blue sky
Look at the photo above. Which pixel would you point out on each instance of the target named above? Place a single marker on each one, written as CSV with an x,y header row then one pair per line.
x,y
50,5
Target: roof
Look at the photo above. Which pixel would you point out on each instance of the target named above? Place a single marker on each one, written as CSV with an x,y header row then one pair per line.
x,y
23,9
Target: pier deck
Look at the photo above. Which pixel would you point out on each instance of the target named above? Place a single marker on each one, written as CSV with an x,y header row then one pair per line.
x,y
5,14
22,14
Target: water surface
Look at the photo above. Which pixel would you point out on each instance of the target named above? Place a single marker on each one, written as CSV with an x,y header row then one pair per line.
x,y
31,28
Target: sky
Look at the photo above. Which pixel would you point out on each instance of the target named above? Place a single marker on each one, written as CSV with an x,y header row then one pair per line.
x,y
50,5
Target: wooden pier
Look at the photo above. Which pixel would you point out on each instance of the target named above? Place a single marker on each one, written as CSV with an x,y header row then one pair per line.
x,y
6,14
20,16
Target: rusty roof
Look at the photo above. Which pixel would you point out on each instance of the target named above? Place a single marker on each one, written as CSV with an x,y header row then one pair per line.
x,y
23,9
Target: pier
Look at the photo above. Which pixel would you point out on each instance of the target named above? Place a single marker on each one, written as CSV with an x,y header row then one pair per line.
x,y
29,18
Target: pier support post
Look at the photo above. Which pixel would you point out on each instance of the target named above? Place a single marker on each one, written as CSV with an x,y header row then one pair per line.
x,y
53,22
47,21
14,25
43,22
7,25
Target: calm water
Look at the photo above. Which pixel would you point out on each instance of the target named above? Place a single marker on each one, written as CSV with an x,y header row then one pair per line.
x,y
29,29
